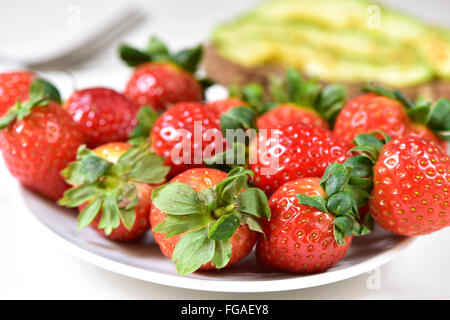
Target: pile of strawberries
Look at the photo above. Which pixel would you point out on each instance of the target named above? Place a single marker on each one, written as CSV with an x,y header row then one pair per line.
x,y
340,165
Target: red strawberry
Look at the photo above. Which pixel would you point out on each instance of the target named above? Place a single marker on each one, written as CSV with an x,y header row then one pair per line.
x,y
368,113
160,85
38,139
222,106
422,131
395,115
314,220
299,238
300,101
173,135
113,186
290,113
104,115
161,78
208,227
291,152
411,192
14,86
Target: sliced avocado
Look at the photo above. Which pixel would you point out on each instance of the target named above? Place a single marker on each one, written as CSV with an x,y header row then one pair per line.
x,y
321,52
335,40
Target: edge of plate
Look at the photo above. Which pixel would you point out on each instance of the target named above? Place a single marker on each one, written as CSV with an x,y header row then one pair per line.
x,y
236,286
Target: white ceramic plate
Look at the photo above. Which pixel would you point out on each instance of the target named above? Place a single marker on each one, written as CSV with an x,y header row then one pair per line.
x,y
142,259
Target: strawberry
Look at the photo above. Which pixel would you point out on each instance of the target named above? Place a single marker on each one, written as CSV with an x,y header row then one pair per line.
x,y
392,113
291,152
298,101
38,139
422,131
411,192
161,78
314,220
14,86
224,105
371,112
112,188
175,132
204,219
289,113
103,114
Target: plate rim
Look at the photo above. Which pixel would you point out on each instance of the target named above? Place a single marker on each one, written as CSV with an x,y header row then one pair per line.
x,y
228,286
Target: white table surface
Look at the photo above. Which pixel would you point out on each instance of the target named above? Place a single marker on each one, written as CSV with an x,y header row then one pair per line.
x,y
33,266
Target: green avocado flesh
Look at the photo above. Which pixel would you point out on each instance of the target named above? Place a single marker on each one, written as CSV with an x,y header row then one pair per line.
x,y
339,41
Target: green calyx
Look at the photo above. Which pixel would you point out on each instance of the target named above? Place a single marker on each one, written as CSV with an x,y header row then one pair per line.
x,y
347,187
157,51
209,218
110,187
435,116
234,125
253,94
146,119
41,93
327,101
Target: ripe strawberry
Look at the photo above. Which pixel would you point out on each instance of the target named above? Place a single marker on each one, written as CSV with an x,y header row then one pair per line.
x,y
291,152
368,113
411,192
177,136
14,86
113,186
103,114
204,219
298,101
422,131
392,113
299,238
38,139
161,78
224,105
288,114
314,220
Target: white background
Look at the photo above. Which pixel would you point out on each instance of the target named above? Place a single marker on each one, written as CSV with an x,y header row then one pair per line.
x,y
33,266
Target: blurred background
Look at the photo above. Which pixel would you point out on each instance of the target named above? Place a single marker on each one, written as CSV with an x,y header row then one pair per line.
x,y
83,37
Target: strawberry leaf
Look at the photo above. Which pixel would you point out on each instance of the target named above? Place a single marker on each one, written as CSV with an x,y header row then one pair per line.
x,y
237,118
224,228
193,250
360,166
141,165
157,50
133,57
149,169
330,101
228,188
222,253
337,181
342,203
50,91
359,229
189,59
77,196
343,227
110,213
89,213
208,196
175,225
177,198
317,202
146,118
128,217
253,201
253,223
439,117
